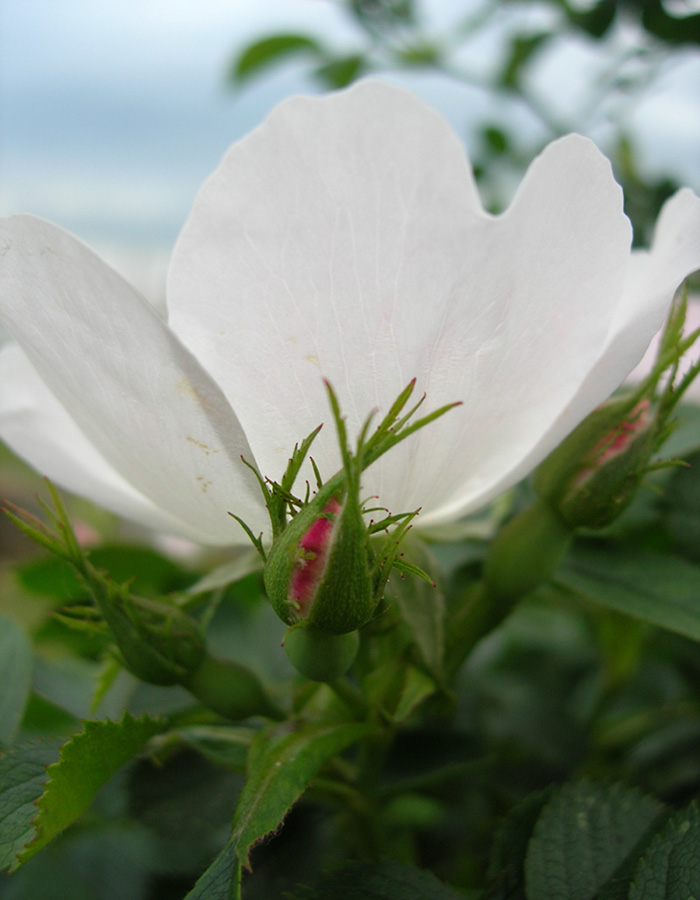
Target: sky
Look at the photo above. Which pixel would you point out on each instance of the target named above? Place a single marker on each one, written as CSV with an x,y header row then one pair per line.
x,y
112,112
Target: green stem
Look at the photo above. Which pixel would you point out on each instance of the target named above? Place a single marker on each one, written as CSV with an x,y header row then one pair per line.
x,y
235,892
437,777
350,696
230,689
524,554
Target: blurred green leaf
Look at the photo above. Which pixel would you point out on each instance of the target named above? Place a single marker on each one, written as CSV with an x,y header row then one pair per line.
x,y
386,880
421,605
583,836
15,677
178,795
596,19
244,564
338,73
670,869
383,14
269,51
681,505
496,140
507,864
86,762
522,51
149,572
654,587
281,764
422,53
224,745
671,29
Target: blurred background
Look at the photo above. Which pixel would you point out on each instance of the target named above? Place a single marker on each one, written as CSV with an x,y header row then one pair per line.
x,y
112,112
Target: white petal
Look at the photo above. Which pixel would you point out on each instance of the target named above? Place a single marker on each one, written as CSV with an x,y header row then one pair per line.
x,y
651,281
298,262
138,396
37,428
344,238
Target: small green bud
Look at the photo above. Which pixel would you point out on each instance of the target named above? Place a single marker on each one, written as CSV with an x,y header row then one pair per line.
x,y
318,655
158,643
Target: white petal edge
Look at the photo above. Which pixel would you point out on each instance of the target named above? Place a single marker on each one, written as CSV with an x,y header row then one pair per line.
x,y
137,394
652,280
38,429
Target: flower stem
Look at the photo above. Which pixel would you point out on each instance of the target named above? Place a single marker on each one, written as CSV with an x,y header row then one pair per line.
x,y
524,554
230,689
350,696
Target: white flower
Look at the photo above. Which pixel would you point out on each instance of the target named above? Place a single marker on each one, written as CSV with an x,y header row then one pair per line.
x,y
344,238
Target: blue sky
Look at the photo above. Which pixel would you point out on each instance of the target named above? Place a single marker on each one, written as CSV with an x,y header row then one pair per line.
x,y
112,112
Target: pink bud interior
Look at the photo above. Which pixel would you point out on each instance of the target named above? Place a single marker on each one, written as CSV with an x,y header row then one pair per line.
x,y
310,562
617,441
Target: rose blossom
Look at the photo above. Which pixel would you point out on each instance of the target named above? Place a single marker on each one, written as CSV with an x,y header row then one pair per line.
x,y
345,239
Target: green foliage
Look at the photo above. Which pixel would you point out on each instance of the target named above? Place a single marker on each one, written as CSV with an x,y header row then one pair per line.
x,y
583,837
281,764
342,71
449,763
215,883
64,790
400,35
22,777
658,588
521,54
377,881
271,51
670,868
421,606
15,677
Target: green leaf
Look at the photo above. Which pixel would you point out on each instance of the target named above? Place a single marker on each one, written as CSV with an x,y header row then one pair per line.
x,y
387,880
281,764
681,504
338,73
670,869
15,678
421,605
224,745
216,882
654,587
522,51
22,776
269,51
86,762
507,863
583,836
417,687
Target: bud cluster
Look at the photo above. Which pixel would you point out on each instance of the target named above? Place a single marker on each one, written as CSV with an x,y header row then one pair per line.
x,y
324,575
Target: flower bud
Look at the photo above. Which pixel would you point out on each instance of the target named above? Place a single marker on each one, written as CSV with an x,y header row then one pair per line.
x,y
593,475
158,643
318,571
